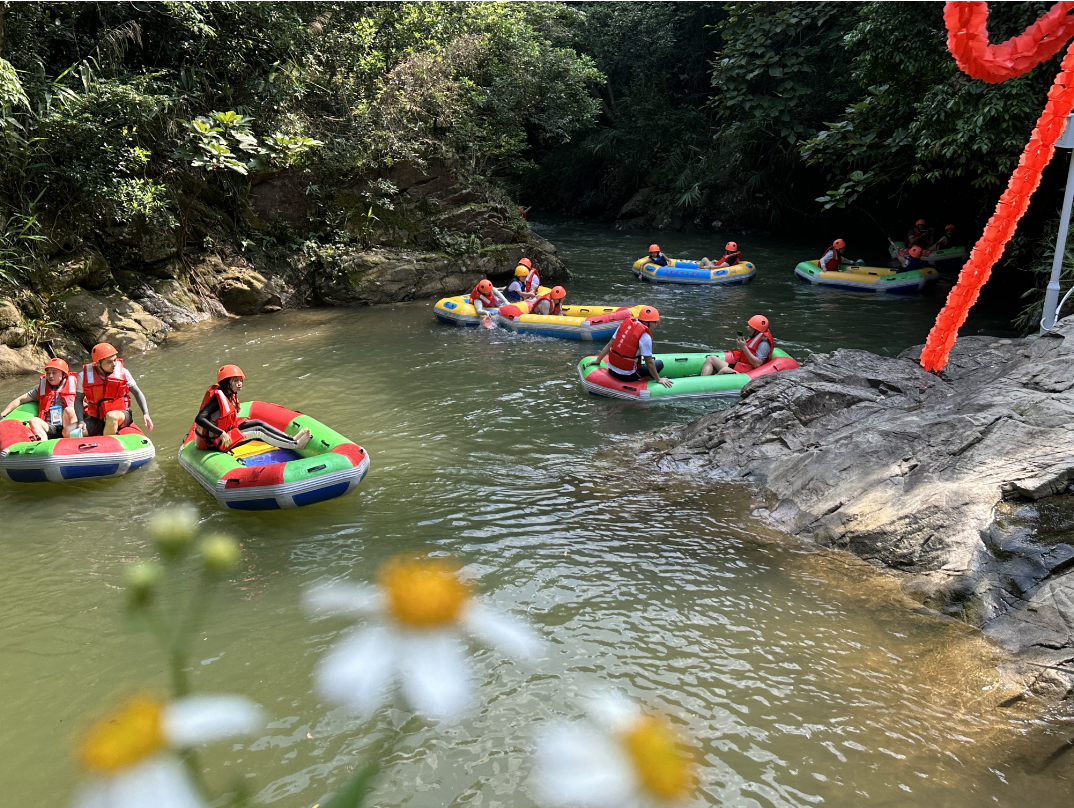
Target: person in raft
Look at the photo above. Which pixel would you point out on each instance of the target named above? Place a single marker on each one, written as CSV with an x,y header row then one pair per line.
x,y
105,389
918,235
731,255
946,240
630,350
55,397
657,257
551,303
753,350
911,259
833,260
533,278
484,296
514,292
218,425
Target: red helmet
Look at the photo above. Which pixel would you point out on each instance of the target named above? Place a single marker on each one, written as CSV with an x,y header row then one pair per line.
x,y
839,244
654,248
229,372
758,322
649,315
915,252
103,350
731,246
949,227
558,293
525,262
920,221
485,286
58,364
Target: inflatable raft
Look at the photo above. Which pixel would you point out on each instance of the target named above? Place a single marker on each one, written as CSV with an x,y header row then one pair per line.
x,y
683,370
25,461
690,272
950,257
587,323
254,476
867,279
459,311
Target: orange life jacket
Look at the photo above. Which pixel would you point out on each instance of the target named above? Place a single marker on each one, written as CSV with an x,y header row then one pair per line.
x,y
105,394
228,421
624,354
741,365
489,301
834,264
64,394
555,306
731,258
533,281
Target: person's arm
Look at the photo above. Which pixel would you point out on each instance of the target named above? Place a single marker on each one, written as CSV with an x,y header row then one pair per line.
x,y
25,398
602,354
754,360
499,296
655,374
140,398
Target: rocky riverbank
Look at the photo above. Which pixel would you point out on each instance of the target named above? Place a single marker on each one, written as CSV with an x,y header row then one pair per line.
x,y
131,285
958,483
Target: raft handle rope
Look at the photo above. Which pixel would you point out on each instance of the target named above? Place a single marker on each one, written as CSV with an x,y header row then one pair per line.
x,y
1046,328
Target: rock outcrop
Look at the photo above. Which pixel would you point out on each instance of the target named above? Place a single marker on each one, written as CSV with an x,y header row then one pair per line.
x,y
906,469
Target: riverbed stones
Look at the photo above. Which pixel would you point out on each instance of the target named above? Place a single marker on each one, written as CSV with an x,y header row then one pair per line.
x,y
21,361
873,455
113,318
85,267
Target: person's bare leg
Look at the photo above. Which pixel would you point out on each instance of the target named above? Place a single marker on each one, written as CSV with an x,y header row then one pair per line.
x,y
713,364
69,421
113,421
39,428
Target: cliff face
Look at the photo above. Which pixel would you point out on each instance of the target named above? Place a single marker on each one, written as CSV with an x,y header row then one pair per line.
x,y
946,481
431,236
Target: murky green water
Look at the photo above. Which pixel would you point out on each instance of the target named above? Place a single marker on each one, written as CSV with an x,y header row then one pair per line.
x,y
802,678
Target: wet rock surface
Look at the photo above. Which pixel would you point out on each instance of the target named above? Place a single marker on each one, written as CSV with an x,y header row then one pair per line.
x,y
958,483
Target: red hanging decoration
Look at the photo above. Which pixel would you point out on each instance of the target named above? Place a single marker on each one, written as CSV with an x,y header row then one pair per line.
x,y
967,39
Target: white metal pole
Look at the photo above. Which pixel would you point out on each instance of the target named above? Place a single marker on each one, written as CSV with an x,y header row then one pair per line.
x,y
1051,296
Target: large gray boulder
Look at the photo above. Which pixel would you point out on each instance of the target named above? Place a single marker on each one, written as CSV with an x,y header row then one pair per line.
x,y
94,318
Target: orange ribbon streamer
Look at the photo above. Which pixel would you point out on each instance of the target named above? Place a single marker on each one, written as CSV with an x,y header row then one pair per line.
x,y
967,39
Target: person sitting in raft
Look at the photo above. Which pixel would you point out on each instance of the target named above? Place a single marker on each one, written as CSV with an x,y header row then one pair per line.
x,y
484,296
630,350
731,256
55,396
533,278
657,257
946,240
911,260
105,389
833,260
918,235
706,263
753,350
514,292
218,425
552,303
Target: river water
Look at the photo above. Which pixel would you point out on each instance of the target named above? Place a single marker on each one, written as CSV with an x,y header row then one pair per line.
x,y
802,677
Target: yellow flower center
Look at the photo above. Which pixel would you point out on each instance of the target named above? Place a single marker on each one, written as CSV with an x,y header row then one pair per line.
x,y
666,771
122,741
424,594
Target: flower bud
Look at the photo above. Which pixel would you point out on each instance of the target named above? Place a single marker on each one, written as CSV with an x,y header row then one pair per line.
x,y
141,580
173,529
220,554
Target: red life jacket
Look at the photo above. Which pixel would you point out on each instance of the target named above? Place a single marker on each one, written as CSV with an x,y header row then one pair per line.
x,y
555,306
229,419
46,395
624,354
533,281
488,301
835,262
741,365
104,394
731,258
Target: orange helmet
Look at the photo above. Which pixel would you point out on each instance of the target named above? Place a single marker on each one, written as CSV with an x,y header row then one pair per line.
x,y
521,271
920,221
103,350
949,227
654,248
485,286
649,315
58,364
229,372
525,262
731,246
915,252
758,322
839,244
558,293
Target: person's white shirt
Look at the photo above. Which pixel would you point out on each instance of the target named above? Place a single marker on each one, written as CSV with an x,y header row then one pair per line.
x,y
645,348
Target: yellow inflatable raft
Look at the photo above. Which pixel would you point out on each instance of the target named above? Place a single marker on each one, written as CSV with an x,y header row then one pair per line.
x,y
459,311
586,323
867,279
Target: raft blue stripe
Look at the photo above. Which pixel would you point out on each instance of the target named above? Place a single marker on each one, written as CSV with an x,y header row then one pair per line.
x,y
269,504
27,475
95,470
321,494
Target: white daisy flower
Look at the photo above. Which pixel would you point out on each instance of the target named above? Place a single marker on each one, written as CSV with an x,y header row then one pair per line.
x,y
132,756
625,758
425,609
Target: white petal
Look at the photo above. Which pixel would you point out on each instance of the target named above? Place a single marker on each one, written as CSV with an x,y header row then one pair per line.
x,y
337,597
160,782
358,671
613,711
436,680
204,719
579,766
513,637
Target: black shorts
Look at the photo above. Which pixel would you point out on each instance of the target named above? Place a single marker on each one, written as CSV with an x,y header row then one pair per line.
x,y
54,432
95,426
641,373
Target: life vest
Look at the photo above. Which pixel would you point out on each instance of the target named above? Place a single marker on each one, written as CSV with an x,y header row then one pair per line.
x,y
62,396
624,354
731,258
741,365
488,301
105,394
835,262
512,295
533,281
555,306
229,419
